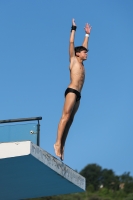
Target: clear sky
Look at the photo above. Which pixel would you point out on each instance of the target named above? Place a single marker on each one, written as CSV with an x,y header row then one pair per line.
x,y
34,39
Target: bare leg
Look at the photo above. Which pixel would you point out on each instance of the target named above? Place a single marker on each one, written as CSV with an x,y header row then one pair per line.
x,y
68,125
67,110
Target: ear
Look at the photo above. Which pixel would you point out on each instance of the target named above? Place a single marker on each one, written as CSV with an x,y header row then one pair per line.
x,y
77,54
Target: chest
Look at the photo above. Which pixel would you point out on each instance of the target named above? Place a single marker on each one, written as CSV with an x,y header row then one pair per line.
x,y
78,68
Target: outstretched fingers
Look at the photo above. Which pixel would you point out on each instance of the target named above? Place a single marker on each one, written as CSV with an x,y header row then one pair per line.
x,y
87,28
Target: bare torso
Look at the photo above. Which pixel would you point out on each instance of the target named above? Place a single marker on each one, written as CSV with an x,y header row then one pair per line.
x,y
77,75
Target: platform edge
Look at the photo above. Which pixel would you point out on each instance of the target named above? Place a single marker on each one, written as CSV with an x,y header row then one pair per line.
x,y
58,166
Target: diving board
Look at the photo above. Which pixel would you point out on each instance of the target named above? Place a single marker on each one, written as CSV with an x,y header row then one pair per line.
x,y
27,171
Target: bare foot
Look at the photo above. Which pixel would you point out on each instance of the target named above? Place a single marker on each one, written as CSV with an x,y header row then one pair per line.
x,y
62,154
57,149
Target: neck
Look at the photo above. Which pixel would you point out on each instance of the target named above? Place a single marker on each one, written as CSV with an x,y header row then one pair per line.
x,y
80,60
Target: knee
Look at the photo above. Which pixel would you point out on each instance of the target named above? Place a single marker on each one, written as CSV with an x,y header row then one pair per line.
x,y
66,117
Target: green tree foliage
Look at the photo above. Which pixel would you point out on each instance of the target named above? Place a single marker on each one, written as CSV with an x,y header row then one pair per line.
x,y
103,192
90,188
125,178
95,197
128,182
109,180
92,173
128,188
129,197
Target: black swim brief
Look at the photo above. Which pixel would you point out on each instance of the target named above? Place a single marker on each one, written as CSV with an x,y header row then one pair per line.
x,y
73,91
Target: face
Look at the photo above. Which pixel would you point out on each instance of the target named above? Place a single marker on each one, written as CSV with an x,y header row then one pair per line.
x,y
82,55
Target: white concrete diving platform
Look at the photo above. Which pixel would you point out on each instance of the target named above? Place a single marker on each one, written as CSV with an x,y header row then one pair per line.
x,y
27,171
